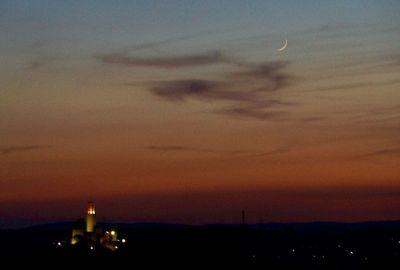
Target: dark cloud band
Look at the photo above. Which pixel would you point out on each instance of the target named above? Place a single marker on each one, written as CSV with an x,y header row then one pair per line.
x,y
250,89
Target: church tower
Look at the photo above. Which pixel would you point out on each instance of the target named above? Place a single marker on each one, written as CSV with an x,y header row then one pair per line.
x,y
90,217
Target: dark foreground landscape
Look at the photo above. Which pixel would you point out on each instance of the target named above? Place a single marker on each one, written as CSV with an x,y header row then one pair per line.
x,y
371,245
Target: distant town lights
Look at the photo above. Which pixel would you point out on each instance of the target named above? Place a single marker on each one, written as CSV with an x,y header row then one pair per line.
x,y
112,232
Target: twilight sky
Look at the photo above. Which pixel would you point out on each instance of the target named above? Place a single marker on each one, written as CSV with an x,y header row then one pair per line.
x,y
184,111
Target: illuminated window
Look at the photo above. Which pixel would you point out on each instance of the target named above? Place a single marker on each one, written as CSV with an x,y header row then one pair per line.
x,y
91,208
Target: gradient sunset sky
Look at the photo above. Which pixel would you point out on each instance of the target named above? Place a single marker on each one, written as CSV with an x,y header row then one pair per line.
x,y
184,111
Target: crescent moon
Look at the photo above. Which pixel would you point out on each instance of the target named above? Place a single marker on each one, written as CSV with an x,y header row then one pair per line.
x,y
283,47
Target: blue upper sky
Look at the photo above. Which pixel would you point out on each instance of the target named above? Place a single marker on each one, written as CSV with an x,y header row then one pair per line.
x,y
95,25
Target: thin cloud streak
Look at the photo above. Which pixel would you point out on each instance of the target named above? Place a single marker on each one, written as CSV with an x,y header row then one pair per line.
x,y
155,44
356,85
244,153
168,148
261,110
22,148
167,62
251,112
394,151
179,148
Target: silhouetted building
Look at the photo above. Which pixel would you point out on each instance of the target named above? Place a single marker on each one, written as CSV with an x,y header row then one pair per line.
x,y
87,232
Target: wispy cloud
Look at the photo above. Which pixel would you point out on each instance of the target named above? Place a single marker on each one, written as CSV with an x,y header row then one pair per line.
x,y
181,89
393,152
168,148
251,112
348,86
388,151
155,45
43,61
265,76
178,148
22,148
168,62
279,150
330,27
250,89
181,148
258,153
258,110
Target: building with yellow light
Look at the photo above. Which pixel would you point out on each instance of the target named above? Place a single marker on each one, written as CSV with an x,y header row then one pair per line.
x,y
87,232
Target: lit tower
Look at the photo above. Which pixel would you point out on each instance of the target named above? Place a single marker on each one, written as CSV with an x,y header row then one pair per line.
x,y
90,217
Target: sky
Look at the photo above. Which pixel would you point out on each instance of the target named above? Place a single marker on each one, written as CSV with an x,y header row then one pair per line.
x,y
186,112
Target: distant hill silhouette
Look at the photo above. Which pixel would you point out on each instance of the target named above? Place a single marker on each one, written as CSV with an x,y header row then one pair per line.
x,y
306,227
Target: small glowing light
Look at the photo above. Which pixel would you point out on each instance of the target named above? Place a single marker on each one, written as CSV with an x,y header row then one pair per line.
x,y
339,246
107,232
123,240
91,247
293,250
116,247
112,232
59,244
351,252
